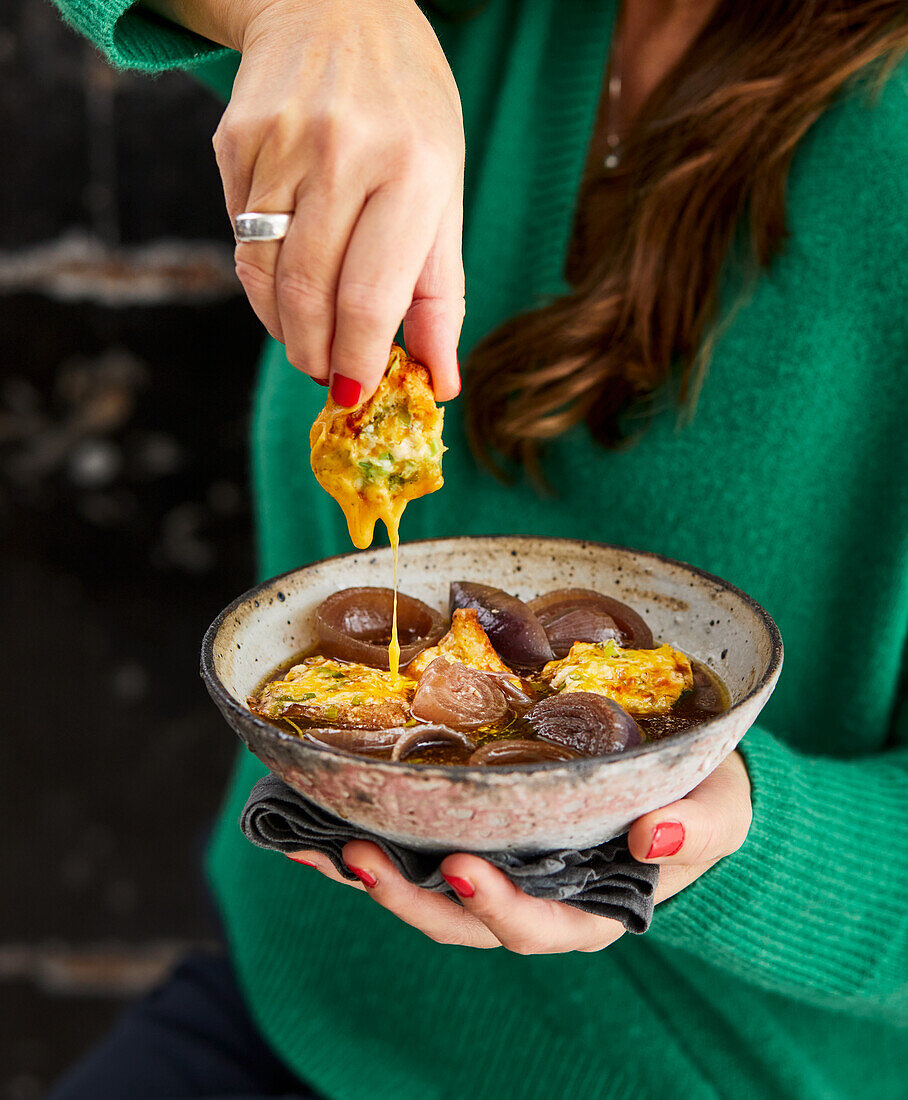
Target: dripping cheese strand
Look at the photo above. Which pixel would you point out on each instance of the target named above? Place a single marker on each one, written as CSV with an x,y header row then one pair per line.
x,y
375,458
394,645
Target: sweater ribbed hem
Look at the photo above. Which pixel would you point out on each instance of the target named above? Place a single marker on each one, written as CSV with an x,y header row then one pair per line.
x,y
819,823
132,37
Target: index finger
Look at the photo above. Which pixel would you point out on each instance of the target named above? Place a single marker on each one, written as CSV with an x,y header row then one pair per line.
x,y
525,925
434,915
386,253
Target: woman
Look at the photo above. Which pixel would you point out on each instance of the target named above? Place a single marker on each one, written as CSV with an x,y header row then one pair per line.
x,y
743,210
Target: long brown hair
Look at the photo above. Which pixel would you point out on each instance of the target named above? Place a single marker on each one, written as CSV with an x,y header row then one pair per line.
x,y
705,165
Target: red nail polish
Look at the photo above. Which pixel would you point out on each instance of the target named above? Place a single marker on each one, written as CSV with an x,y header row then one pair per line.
x,y
461,887
668,836
321,381
365,877
345,391
305,862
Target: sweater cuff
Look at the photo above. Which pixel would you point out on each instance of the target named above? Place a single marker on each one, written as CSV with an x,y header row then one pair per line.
x,y
133,37
814,904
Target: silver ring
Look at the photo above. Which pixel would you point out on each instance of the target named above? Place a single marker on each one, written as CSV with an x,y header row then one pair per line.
x,y
253,226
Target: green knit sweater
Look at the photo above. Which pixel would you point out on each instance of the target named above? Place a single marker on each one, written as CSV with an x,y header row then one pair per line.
x,y
782,971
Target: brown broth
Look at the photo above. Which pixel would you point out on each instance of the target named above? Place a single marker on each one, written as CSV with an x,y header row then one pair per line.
x,y
708,698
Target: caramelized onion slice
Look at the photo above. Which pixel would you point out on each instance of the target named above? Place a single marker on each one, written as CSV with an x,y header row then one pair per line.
x,y
426,737
591,724
708,695
516,751
512,628
450,694
512,690
581,624
550,608
355,625
356,740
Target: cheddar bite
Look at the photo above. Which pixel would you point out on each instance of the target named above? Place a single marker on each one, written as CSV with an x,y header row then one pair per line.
x,y
466,643
643,681
376,458
335,693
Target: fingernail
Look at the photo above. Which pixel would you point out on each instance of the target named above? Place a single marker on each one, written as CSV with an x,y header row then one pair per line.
x,y
305,862
461,886
345,391
668,836
365,877
321,381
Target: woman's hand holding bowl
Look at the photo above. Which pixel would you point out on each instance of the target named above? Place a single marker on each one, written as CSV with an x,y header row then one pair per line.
x,y
685,839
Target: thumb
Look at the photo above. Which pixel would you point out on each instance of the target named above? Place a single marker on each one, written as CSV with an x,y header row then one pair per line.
x,y
710,823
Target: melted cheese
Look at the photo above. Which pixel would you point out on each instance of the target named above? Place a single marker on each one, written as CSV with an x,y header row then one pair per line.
x,y
337,693
643,681
394,644
466,642
376,458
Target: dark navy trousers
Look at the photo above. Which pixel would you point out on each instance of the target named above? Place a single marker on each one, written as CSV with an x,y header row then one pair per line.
x,y
191,1037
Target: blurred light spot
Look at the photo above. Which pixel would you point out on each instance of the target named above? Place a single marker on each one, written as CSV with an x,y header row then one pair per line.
x,y
182,544
224,498
94,463
130,682
158,454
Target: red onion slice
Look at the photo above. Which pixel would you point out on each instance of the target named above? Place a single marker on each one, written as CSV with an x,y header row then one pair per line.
x,y
361,741
516,751
708,695
633,631
428,736
450,694
511,688
593,725
581,624
512,628
355,625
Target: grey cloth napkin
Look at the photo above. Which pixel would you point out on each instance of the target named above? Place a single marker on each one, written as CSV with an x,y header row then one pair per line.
x,y
605,880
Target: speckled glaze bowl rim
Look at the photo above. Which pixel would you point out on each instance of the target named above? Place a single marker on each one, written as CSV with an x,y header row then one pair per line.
x,y
455,771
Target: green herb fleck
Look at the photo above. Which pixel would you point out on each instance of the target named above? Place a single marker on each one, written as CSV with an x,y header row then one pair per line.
x,y
330,712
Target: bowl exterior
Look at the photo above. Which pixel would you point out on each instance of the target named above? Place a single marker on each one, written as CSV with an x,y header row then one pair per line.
x,y
535,811
520,808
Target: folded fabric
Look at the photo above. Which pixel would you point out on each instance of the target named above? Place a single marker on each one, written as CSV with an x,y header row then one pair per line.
x,y
605,880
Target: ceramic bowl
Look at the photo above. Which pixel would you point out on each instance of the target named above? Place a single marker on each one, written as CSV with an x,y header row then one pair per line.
x,y
524,808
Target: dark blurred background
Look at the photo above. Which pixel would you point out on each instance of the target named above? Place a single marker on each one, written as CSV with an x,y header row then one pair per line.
x,y
127,354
